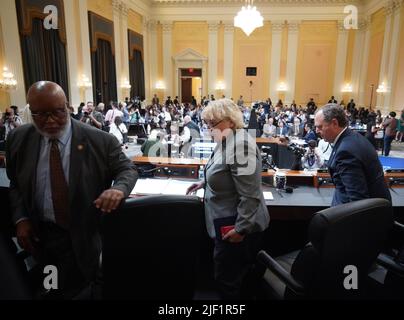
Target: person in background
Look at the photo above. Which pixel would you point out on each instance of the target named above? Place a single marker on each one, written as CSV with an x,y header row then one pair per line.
x,y
312,159
390,130
26,115
235,210
310,133
92,117
269,130
119,130
10,121
325,149
400,127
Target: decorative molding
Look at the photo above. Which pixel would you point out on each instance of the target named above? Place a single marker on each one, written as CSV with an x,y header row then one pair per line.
x,y
341,27
189,55
167,26
152,25
228,27
213,26
293,26
389,8
365,23
277,26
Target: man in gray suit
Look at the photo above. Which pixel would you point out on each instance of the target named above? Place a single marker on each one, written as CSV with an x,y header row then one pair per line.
x,y
61,173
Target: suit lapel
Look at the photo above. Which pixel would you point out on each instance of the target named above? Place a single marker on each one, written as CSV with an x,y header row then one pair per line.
x,y
30,167
78,149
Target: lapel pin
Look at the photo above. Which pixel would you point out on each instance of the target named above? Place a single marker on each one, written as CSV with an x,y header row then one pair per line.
x,y
80,147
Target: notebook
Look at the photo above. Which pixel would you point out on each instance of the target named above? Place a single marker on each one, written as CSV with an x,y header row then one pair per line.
x,y
223,225
164,186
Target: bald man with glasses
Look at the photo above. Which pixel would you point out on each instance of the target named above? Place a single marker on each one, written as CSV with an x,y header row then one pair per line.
x,y
63,175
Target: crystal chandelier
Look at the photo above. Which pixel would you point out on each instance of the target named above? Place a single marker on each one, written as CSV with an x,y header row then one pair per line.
x,y
248,18
8,82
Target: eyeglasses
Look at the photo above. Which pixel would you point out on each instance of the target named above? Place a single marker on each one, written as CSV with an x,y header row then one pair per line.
x,y
212,126
55,114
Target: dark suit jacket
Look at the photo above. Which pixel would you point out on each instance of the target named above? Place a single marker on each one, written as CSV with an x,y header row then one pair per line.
x,y
356,170
96,160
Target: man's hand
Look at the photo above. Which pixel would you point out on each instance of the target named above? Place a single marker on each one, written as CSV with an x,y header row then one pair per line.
x,y
233,236
194,187
26,236
109,200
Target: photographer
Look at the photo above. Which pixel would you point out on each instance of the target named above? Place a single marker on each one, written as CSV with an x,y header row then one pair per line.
x,y
10,121
91,117
312,159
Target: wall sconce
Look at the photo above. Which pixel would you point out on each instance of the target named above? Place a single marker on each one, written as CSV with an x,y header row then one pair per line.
x,y
160,85
126,85
220,85
382,88
347,88
8,82
85,83
282,87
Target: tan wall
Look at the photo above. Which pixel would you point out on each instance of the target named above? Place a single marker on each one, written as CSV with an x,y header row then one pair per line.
x,y
252,51
135,21
398,93
316,61
101,7
378,22
193,35
4,96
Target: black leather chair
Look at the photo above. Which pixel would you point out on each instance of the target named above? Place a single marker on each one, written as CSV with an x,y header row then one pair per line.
x,y
151,248
387,274
14,280
349,234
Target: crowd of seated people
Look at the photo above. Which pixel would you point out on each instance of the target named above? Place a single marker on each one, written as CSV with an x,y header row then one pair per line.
x,y
273,120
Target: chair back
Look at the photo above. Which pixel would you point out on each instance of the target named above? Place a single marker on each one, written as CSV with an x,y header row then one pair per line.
x,y
151,246
344,242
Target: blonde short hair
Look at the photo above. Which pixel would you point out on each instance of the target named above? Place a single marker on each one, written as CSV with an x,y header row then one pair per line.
x,y
221,109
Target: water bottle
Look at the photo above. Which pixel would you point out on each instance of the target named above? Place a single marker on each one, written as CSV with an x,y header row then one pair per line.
x,y
201,173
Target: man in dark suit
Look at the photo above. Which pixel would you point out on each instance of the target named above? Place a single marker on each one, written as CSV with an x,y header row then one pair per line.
x,y
332,100
61,174
353,165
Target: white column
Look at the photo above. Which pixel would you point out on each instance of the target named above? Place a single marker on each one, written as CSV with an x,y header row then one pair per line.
x,y
85,47
153,57
12,51
212,57
167,58
358,56
275,60
146,58
385,54
72,57
117,42
124,50
293,36
393,58
363,50
342,46
228,59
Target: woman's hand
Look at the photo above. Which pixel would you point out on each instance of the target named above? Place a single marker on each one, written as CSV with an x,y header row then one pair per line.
x,y
195,187
233,236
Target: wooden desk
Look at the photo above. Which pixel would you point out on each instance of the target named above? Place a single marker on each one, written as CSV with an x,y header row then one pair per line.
x,y
271,140
165,160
